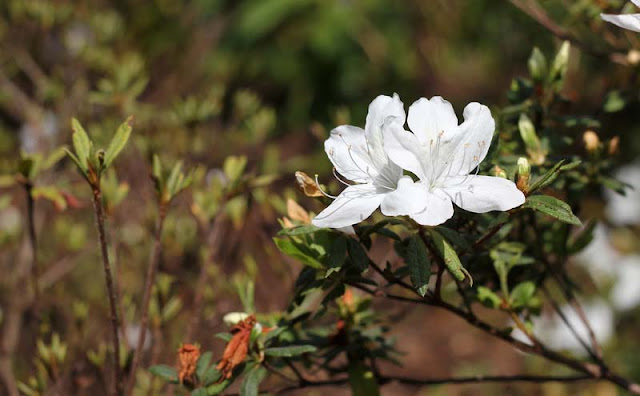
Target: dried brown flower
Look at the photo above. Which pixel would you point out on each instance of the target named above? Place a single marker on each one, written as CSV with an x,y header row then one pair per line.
x,y
188,355
237,348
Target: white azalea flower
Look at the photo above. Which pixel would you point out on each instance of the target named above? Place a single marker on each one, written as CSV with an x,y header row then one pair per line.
x,y
627,21
443,154
359,156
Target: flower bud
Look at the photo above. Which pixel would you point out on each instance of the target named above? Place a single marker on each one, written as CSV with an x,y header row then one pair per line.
x,y
524,174
499,172
633,57
591,141
613,145
531,140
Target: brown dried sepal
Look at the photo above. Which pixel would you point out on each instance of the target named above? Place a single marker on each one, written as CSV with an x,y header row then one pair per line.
x,y
237,348
188,355
307,185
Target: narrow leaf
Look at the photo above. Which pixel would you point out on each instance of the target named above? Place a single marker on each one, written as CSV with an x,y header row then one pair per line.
x,y
547,178
553,207
174,178
81,144
289,351
449,255
119,141
165,372
203,363
289,248
416,257
522,294
358,255
252,380
583,238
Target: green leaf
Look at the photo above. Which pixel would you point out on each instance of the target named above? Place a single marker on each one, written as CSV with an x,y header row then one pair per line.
x,y
359,257
252,380
175,178
336,255
76,161
203,363
455,238
54,157
547,178
553,207
215,389
165,372
298,252
522,294
289,351
210,376
81,145
118,142
234,166
614,102
156,172
488,297
582,238
199,392
449,256
300,230
415,256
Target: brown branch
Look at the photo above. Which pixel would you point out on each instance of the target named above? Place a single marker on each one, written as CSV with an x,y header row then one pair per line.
x,y
489,378
111,292
533,9
567,323
28,187
595,371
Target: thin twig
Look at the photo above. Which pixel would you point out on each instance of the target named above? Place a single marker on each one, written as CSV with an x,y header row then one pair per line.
x,y
113,305
567,323
152,268
28,186
538,14
214,240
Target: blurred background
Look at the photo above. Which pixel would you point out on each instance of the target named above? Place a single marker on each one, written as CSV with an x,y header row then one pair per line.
x,y
251,88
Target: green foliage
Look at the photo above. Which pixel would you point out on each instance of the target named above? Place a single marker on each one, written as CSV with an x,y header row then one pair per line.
x,y
415,256
92,163
553,207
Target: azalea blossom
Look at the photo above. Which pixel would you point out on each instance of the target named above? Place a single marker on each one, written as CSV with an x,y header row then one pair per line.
x,y
443,155
359,156
627,21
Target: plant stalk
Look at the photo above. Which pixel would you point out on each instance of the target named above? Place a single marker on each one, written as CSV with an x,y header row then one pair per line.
x,y
111,292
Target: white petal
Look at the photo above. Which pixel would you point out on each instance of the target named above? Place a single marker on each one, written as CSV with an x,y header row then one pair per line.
x,y
471,142
404,149
429,118
627,21
352,206
481,194
407,199
347,150
382,109
438,209
636,2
